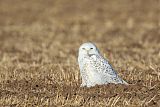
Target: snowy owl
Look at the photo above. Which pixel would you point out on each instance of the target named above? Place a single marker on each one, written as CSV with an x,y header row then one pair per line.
x,y
94,69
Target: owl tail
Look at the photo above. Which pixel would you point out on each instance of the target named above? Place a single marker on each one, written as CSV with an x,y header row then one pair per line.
x,y
124,82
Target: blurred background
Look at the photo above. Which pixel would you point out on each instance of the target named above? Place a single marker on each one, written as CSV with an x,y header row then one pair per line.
x,y
58,27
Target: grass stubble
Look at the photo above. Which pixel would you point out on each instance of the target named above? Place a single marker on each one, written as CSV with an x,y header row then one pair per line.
x,y
39,44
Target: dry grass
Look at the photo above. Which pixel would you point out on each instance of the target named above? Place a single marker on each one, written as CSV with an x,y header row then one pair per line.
x,y
39,41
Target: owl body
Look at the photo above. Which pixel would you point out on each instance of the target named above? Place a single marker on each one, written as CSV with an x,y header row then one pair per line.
x,y
94,69
89,74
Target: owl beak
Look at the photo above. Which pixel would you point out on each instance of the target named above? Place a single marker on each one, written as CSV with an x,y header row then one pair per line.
x,y
88,52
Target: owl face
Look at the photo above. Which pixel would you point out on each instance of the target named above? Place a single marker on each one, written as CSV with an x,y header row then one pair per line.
x,y
88,49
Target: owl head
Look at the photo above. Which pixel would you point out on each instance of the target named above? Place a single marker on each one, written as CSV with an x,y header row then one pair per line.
x,y
88,49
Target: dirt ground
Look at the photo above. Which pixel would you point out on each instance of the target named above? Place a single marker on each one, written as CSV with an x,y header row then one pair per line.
x,y
39,42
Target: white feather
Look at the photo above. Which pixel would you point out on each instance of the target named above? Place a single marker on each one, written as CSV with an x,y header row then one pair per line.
x,y
94,69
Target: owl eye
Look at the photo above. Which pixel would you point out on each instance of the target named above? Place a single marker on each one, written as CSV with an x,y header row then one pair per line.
x,y
83,48
91,48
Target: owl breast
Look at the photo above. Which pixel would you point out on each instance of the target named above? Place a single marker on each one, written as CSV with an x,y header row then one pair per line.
x,y
91,68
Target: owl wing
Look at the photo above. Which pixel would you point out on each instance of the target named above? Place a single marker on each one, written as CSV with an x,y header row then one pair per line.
x,y
103,67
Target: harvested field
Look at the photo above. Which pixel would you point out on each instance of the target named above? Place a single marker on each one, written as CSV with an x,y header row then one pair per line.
x,y
39,43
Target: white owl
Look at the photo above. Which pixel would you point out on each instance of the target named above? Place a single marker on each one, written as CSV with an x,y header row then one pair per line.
x,y
94,69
